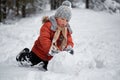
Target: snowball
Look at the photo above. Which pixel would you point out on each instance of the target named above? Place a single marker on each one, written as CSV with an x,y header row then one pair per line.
x,y
63,62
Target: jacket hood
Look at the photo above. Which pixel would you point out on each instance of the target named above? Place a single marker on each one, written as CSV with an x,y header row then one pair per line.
x,y
54,24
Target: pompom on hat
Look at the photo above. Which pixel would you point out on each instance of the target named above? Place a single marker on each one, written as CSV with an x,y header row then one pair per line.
x,y
63,12
66,3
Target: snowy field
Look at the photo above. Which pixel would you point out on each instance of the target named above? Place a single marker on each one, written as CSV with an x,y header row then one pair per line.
x,y
97,48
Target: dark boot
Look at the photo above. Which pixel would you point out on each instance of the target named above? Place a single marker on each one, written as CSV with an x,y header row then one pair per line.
x,y
45,65
23,56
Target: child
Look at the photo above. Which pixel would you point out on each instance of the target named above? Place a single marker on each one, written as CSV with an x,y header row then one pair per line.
x,y
55,36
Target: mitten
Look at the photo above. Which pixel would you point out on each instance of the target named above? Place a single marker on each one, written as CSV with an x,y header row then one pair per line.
x,y
69,49
53,50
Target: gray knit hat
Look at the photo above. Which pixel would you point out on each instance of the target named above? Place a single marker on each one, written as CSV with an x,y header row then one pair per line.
x,y
64,12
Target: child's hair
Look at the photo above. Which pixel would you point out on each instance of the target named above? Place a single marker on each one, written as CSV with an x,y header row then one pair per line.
x,y
45,19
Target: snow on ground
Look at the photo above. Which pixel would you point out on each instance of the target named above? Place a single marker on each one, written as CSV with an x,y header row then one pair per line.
x,y
97,48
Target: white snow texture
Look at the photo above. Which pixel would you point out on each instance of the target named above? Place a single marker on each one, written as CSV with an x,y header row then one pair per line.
x,y
96,37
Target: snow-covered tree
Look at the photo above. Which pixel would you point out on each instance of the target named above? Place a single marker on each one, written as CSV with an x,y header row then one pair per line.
x,y
2,10
112,6
10,9
108,5
55,3
103,5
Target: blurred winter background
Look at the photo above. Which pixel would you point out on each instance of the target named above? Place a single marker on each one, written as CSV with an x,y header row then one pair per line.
x,y
96,34
11,10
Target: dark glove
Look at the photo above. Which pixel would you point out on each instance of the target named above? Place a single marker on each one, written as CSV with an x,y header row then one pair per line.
x,y
69,49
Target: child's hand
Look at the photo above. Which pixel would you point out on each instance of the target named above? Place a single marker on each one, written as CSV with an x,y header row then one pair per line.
x,y
53,50
69,49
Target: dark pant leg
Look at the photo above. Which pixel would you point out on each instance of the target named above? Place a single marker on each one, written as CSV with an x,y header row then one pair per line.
x,y
34,59
45,65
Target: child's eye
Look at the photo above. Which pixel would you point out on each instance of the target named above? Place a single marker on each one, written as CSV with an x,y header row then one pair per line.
x,y
64,19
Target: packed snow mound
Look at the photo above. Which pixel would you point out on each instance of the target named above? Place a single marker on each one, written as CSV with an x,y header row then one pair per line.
x,y
63,62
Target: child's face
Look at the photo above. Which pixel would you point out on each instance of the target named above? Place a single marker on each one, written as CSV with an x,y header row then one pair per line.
x,y
62,22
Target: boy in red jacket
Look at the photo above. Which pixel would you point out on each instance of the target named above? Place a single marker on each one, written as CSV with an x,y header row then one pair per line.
x,y
55,36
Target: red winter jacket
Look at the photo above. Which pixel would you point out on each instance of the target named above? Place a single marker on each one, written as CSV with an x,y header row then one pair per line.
x,y
42,44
